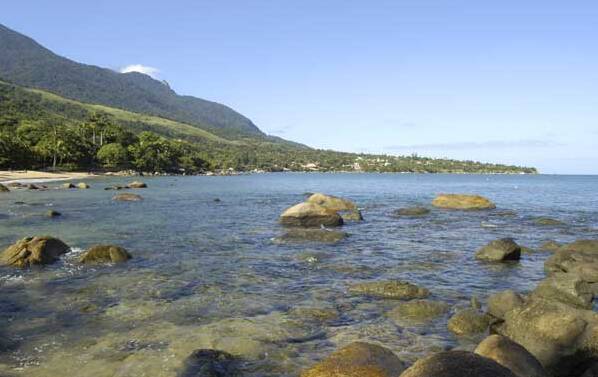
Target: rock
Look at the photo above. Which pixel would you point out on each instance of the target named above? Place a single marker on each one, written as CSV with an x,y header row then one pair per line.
x,y
358,359
547,221
566,288
457,364
550,246
33,251
4,188
127,197
468,322
511,355
68,185
137,185
353,215
296,235
52,213
417,311
217,200
503,302
475,303
31,186
394,289
462,202
310,215
105,254
592,371
209,363
526,250
332,202
315,314
82,185
115,187
577,258
411,212
499,250
560,336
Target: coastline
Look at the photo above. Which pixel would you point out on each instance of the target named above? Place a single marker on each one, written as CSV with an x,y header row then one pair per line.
x,y
7,176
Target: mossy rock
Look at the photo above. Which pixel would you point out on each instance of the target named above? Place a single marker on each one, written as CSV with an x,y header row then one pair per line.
x,y
468,322
462,202
358,359
417,311
32,251
550,245
547,221
499,250
352,215
105,254
299,235
393,289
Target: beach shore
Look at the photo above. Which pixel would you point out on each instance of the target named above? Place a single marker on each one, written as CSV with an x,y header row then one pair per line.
x,y
38,176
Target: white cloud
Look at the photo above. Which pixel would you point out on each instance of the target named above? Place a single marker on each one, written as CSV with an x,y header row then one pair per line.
x,y
150,71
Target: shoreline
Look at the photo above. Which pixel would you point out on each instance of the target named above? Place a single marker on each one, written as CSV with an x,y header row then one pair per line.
x,y
35,176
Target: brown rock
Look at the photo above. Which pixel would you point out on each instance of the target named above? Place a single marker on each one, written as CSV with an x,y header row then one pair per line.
x,y
511,355
127,197
105,254
310,215
457,364
33,251
462,202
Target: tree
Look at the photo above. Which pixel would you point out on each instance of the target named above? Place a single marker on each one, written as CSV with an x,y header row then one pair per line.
x,y
113,155
153,153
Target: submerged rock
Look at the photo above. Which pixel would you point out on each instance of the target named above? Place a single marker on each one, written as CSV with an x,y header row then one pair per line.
x,y
137,185
462,202
115,187
127,197
547,221
511,355
550,246
457,364
394,289
314,314
358,359
468,322
31,186
332,202
503,302
417,311
82,185
33,251
411,212
500,250
4,188
296,235
105,254
209,363
310,215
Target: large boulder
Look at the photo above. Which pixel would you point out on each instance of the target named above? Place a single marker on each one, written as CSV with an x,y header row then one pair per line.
x,y
137,185
105,254
358,359
468,322
417,311
510,355
563,338
578,258
499,250
457,364
566,288
394,289
33,251
332,202
209,363
462,202
3,188
299,235
503,302
310,215
127,197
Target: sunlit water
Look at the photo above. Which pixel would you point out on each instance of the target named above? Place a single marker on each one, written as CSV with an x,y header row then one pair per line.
x,y
207,274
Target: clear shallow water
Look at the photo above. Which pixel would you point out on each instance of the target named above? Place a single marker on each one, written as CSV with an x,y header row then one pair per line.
x,y
207,274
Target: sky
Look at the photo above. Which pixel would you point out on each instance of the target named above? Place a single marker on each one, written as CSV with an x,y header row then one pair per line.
x,y
505,81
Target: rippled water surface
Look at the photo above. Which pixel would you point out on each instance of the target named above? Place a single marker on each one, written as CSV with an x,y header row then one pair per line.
x,y
207,274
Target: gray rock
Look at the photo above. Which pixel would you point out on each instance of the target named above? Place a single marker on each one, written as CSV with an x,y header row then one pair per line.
x,y
503,302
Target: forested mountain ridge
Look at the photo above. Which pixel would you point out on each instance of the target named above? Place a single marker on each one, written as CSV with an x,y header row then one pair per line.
x,y
26,63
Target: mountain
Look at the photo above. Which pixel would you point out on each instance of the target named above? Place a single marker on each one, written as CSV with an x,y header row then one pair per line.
x,y
25,62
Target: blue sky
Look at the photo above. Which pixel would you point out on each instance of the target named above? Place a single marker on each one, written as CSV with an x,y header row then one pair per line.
x,y
503,81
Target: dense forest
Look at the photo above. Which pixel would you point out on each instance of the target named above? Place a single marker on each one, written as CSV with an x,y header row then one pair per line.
x,y
40,130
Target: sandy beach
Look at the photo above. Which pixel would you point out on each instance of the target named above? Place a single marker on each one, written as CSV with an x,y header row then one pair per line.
x,y
30,175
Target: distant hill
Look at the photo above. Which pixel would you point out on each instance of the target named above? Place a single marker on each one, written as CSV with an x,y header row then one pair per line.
x,y
26,63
